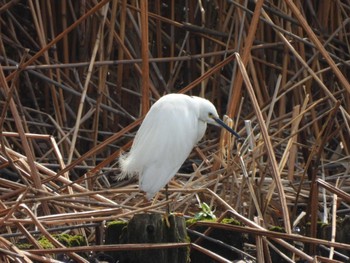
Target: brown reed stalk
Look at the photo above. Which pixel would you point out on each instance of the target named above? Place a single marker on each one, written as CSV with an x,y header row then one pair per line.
x,y
294,57
237,85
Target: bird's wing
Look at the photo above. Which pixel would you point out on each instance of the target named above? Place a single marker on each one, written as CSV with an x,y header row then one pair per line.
x,y
154,177
162,144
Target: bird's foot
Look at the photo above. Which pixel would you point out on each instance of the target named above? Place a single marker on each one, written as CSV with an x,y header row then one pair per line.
x,y
167,215
166,219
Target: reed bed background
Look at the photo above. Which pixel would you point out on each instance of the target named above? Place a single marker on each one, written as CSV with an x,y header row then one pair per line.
x,y
77,77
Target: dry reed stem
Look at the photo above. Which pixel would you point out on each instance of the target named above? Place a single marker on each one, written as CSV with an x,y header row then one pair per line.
x,y
267,140
254,225
60,36
210,254
86,84
318,44
237,85
144,56
118,247
297,66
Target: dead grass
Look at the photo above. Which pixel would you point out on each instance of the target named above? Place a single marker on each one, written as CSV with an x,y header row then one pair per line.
x,y
74,90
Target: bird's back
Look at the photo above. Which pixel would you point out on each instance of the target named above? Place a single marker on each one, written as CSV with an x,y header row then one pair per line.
x,y
164,141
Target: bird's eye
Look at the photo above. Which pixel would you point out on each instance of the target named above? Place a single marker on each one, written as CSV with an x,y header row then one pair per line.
x,y
210,115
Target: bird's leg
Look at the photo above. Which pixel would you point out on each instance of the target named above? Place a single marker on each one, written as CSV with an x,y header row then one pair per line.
x,y
167,212
167,198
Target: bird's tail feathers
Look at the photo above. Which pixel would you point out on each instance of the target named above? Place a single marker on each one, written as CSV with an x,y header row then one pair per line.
x,y
126,168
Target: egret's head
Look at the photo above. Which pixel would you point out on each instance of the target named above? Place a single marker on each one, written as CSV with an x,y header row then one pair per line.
x,y
209,114
207,111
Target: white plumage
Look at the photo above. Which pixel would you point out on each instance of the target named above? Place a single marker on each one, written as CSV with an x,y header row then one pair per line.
x,y
167,135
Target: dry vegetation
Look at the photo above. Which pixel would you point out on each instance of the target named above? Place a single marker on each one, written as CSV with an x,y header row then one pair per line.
x,y
77,76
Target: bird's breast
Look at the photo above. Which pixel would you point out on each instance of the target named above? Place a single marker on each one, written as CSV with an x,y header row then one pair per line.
x,y
202,126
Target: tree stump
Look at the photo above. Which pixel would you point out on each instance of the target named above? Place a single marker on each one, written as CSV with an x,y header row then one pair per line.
x,y
150,228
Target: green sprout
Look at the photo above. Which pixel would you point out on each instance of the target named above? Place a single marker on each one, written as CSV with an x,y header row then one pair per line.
x,y
205,214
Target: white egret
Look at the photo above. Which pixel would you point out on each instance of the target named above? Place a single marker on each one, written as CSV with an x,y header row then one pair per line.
x,y
167,135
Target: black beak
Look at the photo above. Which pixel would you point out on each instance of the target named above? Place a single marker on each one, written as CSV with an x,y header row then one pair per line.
x,y
221,123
